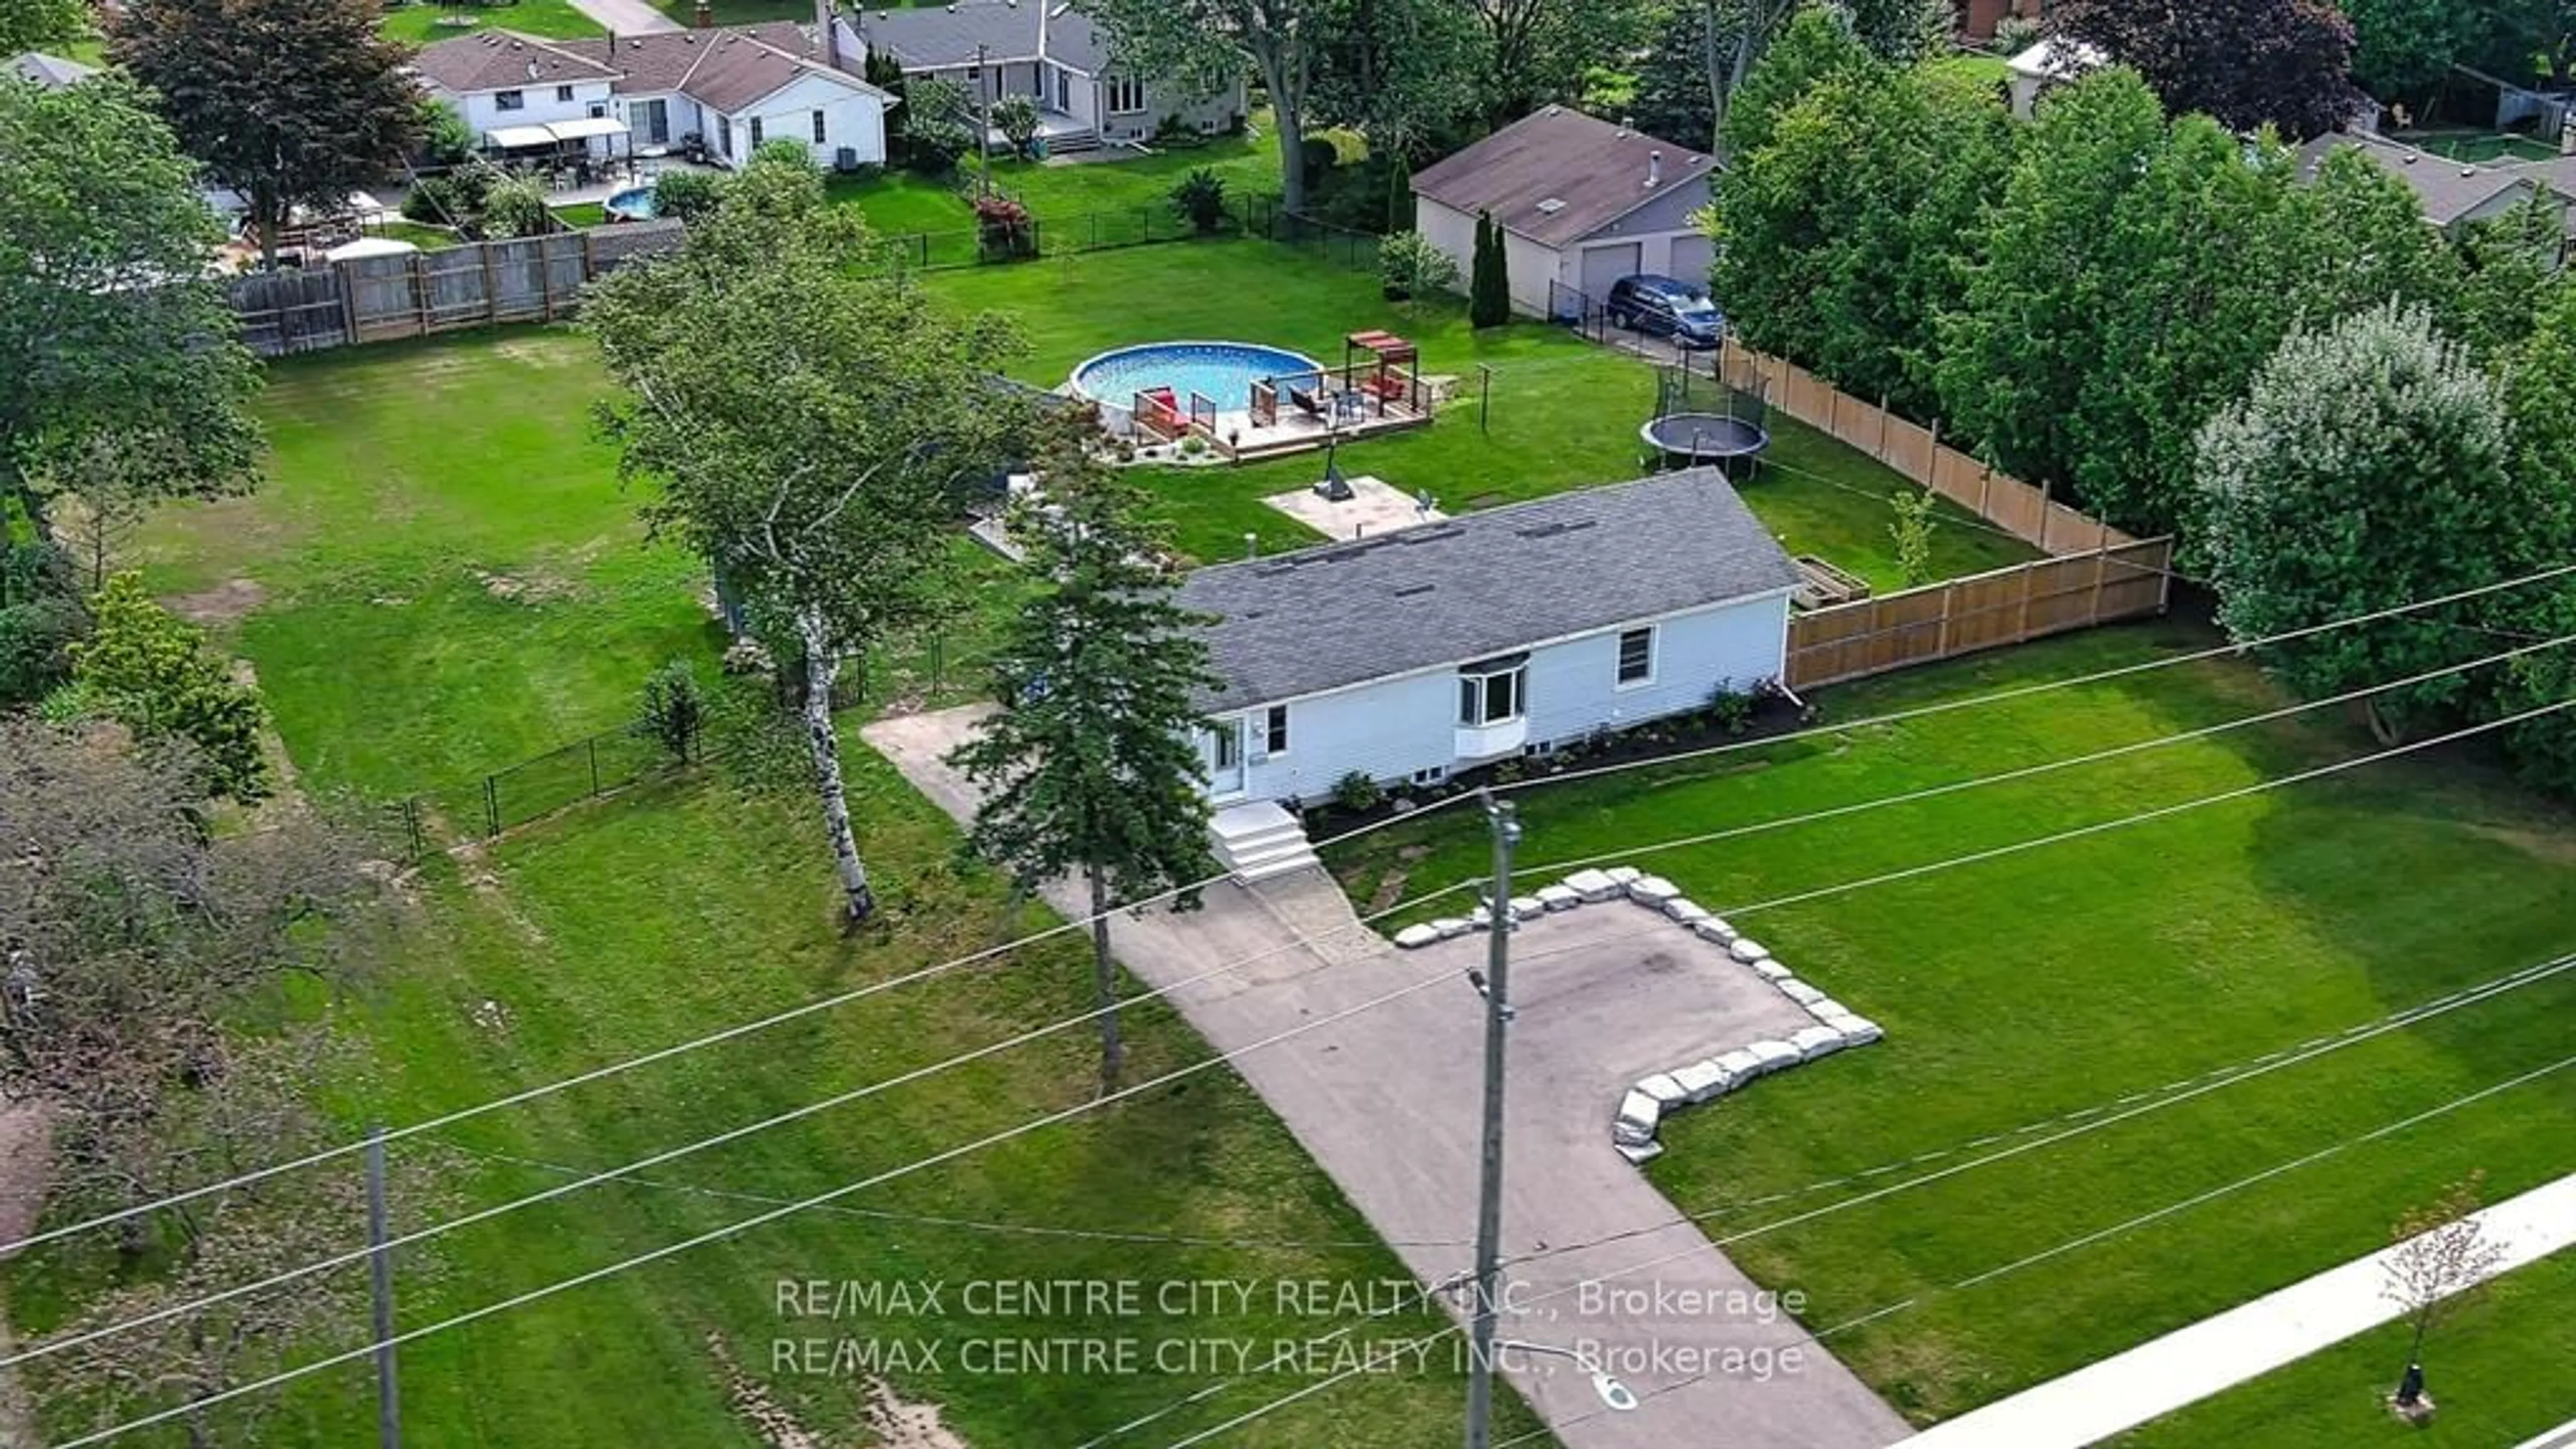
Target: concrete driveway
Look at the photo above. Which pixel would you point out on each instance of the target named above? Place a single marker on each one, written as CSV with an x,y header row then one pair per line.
x,y
1387,1102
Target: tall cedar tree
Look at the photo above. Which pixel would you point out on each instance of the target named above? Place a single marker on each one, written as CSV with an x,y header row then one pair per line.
x,y
288,102
2539,384
809,427
2248,63
1489,286
1094,768
120,368
2368,466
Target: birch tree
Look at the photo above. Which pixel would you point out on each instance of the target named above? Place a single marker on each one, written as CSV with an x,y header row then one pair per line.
x,y
807,428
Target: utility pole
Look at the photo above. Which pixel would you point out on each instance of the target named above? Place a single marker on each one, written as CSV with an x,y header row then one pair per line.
x,y
1489,1202
380,1267
984,118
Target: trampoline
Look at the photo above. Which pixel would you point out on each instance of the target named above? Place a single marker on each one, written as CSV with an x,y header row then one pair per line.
x,y
1689,439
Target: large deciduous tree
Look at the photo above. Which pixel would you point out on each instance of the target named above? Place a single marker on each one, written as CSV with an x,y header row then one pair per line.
x,y
1535,52
1208,43
2539,386
809,428
2249,63
2402,49
1733,40
1840,240
1093,768
2529,41
119,359
1392,70
288,102
40,24
2367,467
1902,32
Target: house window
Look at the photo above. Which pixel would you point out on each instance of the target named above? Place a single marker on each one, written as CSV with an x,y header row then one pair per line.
x,y
818,128
1228,747
724,135
755,133
1637,656
509,100
653,119
1126,95
563,95
598,109
1274,729
1493,692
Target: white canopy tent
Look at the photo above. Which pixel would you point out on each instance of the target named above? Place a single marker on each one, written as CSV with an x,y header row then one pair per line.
x,y
554,133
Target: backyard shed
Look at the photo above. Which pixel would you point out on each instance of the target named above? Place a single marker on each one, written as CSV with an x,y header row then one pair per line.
x,y
1455,644
1582,202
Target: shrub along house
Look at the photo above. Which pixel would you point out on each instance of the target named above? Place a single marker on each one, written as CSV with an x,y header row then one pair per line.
x,y
1051,53
1581,203
1509,632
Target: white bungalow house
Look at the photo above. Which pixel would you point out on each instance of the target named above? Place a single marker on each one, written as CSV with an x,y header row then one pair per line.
x,y
732,86
1053,54
1581,202
1508,632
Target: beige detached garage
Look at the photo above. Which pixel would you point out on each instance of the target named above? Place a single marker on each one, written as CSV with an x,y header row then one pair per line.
x,y
1582,202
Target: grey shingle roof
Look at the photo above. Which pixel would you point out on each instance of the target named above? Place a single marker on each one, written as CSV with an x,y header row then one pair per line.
x,y
727,67
2446,190
500,59
1596,170
52,72
946,35
1481,584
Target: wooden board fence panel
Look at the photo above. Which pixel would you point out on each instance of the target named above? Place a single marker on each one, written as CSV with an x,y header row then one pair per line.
x,y
1984,611
380,299
1915,451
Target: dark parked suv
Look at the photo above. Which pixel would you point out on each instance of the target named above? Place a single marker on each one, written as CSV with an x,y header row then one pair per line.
x,y
1667,308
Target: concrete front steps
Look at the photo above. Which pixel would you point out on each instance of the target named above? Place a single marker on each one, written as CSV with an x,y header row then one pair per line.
x,y
1258,841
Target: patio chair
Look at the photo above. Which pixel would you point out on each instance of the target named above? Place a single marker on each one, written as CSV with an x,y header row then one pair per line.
x,y
1305,401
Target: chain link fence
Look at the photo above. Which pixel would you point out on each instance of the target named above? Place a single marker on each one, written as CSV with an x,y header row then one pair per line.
x,y
934,672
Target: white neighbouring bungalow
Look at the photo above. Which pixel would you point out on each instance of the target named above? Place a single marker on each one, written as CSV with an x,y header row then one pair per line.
x,y
733,86
1051,53
1508,632
1581,203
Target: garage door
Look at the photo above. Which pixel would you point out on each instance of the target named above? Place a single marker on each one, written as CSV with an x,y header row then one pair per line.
x,y
1605,265
1692,255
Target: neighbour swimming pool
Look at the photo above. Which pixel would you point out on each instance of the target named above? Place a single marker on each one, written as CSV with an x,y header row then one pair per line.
x,y
1223,372
636,203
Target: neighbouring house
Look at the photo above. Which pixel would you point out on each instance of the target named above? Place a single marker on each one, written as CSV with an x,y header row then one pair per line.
x,y
1978,18
2048,64
733,87
1448,645
51,72
1582,202
1056,56
2454,194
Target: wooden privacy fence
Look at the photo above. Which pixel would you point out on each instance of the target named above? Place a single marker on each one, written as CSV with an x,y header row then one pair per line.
x,y
2125,580
1917,451
380,299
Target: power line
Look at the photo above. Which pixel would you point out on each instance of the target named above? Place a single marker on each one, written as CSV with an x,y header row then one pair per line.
x,y
2086,1240
2089,1123
61,1344
794,1114
840,999
979,1225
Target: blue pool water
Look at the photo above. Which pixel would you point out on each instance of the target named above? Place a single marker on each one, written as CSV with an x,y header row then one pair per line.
x,y
1223,371
636,203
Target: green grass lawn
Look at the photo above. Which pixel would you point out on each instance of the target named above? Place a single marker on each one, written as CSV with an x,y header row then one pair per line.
x,y
583,213
556,19
2065,979
2497,1371
899,203
427,238
1564,415
441,573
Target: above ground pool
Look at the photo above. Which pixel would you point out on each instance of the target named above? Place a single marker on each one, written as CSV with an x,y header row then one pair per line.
x,y
635,203
1222,371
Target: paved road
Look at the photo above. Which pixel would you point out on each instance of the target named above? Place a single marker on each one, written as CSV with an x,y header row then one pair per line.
x,y
1387,1102
2190,1364
626,17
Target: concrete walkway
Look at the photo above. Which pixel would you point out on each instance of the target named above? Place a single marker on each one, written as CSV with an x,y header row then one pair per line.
x,y
1385,1100
2190,1364
626,17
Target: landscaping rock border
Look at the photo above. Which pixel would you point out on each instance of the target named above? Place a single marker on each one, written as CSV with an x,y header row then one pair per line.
x,y
1641,1111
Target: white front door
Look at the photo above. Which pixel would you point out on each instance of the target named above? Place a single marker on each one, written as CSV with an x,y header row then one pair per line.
x,y
1225,758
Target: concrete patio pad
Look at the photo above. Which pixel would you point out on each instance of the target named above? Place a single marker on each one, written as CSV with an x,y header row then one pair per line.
x,y
1387,1102
1374,508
